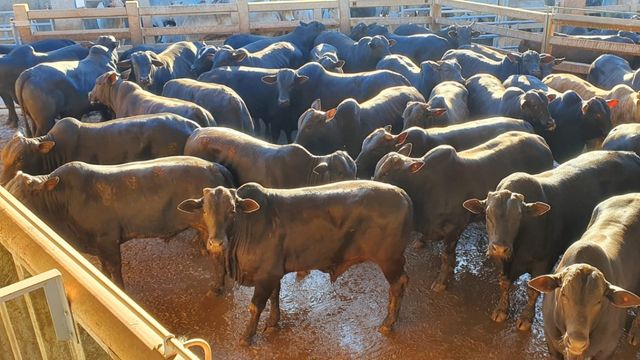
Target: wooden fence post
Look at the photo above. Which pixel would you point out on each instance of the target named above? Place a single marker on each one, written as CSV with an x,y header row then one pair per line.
x,y
22,23
243,16
549,29
344,15
435,11
133,17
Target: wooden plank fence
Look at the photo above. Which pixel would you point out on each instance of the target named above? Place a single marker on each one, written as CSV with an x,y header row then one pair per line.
x,y
139,26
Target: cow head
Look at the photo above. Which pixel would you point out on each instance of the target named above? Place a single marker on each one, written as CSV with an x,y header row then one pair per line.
x,y
420,114
226,56
24,154
504,212
463,34
535,109
317,130
375,29
596,113
581,293
378,46
101,92
547,62
359,31
287,80
337,166
28,188
144,65
442,70
217,209
331,63
529,62
204,59
307,32
380,142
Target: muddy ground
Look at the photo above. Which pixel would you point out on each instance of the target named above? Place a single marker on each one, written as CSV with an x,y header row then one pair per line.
x,y
324,320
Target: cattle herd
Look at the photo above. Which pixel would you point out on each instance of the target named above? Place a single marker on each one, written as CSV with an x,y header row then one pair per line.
x,y
439,132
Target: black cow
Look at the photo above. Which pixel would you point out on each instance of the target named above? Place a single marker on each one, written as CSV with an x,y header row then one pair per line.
x,y
99,207
624,137
45,45
586,297
346,126
528,82
426,76
260,235
467,174
50,90
275,56
361,55
226,106
609,70
488,97
117,141
447,105
302,37
532,219
278,166
151,71
578,121
327,56
204,59
237,41
461,137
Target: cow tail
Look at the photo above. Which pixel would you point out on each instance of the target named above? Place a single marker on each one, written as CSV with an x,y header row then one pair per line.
x,y
19,87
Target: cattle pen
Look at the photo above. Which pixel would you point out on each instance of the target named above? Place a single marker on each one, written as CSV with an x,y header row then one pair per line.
x,y
55,304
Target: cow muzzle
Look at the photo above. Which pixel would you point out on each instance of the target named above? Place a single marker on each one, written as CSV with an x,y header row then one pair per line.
x,y
283,102
576,345
499,251
145,81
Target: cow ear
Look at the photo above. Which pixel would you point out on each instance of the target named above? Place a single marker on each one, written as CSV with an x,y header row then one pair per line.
x,y
513,57
612,103
301,79
416,166
321,168
340,64
523,103
405,149
551,97
191,206
269,79
437,112
125,64
387,128
125,74
248,205
401,138
453,34
45,146
112,77
331,113
475,33
622,298
392,42
239,55
546,58
475,206
536,209
557,61
545,283
157,63
51,183
316,104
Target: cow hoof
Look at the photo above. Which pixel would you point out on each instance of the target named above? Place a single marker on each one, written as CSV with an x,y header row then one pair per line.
x,y
384,329
499,315
438,287
270,329
244,341
523,324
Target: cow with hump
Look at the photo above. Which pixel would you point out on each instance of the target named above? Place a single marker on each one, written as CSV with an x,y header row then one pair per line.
x,y
532,219
261,234
596,280
439,215
97,208
279,166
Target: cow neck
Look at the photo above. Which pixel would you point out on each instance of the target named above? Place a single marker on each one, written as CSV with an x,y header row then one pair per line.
x,y
115,92
54,205
54,158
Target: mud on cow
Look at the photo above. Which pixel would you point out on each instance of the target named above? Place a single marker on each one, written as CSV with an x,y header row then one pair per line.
x,y
277,166
532,219
365,220
438,214
117,141
99,207
597,278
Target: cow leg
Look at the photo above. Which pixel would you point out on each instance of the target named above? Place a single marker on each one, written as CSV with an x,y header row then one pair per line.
x,y
13,115
634,332
261,294
274,312
526,317
110,257
398,279
500,312
448,262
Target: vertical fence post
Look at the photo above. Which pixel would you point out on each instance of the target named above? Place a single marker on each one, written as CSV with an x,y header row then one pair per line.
x,y
344,15
22,24
549,28
435,11
243,16
133,17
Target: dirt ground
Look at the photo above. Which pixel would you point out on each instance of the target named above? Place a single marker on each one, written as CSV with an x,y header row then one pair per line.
x,y
322,320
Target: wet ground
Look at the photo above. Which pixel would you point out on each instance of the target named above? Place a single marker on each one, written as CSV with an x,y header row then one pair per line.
x,y
324,320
